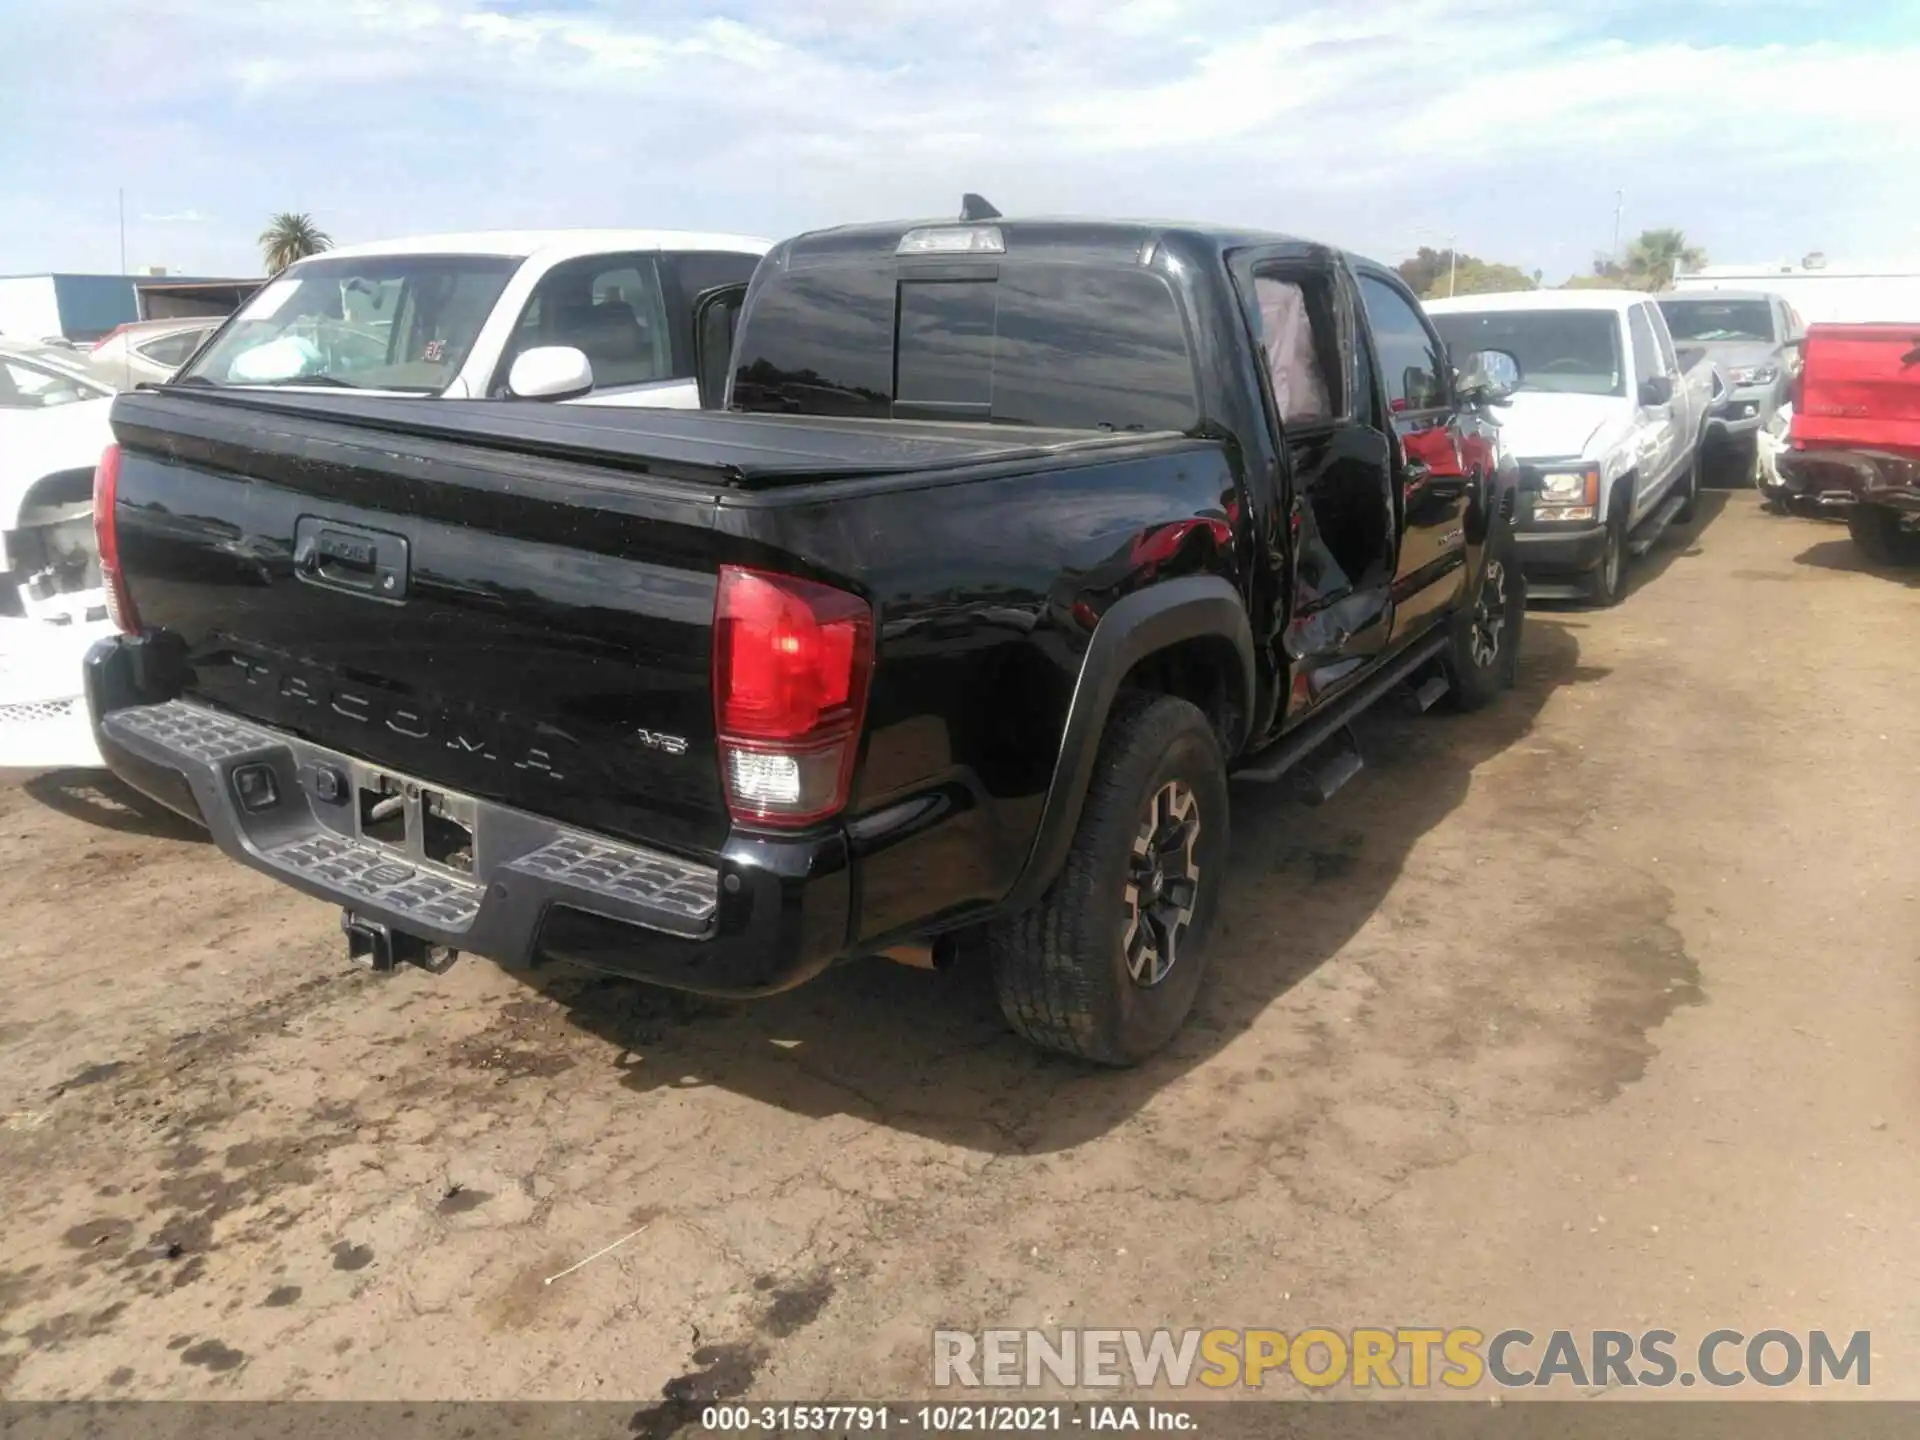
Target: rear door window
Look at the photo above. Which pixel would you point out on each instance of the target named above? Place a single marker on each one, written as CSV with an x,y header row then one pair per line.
x,y
172,349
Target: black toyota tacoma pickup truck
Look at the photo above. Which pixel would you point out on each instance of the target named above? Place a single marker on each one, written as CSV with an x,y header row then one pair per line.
x,y
1010,543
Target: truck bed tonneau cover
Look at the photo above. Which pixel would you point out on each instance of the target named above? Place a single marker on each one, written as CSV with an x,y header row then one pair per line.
x,y
735,448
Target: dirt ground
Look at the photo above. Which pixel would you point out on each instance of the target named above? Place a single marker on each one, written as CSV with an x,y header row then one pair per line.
x,y
1592,1010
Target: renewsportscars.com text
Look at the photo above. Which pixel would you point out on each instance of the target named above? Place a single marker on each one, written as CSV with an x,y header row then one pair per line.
x,y
1380,1358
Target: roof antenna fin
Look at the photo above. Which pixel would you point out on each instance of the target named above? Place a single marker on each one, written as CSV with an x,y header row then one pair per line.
x,y
972,207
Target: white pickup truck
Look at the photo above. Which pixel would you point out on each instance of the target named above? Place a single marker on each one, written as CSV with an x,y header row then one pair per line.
x,y
602,317
1605,417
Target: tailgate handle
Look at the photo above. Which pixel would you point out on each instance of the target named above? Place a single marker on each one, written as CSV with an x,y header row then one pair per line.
x,y
345,557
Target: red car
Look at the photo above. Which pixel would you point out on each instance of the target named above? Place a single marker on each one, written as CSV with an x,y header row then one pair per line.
x,y
1855,443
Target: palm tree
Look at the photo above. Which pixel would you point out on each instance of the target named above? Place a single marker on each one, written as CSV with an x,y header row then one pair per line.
x,y
290,237
1657,255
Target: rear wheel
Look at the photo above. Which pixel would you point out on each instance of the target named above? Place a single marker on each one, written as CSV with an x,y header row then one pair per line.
x,y
1877,535
1106,966
1690,485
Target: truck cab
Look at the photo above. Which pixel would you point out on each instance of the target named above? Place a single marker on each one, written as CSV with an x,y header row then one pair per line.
x,y
1606,417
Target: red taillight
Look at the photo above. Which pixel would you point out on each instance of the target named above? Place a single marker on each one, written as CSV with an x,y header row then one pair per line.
x,y
106,538
791,661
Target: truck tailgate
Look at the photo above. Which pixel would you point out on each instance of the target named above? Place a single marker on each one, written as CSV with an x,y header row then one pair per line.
x,y
531,632
1860,389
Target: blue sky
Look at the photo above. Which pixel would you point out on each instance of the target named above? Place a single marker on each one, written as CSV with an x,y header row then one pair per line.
x,y
1763,129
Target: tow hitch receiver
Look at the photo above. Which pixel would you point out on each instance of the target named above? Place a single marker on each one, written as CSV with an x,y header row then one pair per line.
x,y
383,949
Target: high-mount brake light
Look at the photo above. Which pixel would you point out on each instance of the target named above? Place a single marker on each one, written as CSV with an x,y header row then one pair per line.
x,y
791,663
953,240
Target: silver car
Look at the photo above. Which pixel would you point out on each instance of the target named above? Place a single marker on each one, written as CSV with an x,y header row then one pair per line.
x,y
150,350
1751,336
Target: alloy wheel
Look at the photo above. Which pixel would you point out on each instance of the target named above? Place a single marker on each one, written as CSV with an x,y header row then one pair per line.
x,y
1163,883
1489,616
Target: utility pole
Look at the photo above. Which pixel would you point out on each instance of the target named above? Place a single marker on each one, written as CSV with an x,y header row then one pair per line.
x,y
1453,261
1619,204
123,229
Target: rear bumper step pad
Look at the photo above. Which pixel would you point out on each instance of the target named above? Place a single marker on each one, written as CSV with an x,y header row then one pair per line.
x,y
521,863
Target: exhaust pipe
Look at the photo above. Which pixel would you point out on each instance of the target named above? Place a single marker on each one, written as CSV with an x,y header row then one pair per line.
x,y
936,954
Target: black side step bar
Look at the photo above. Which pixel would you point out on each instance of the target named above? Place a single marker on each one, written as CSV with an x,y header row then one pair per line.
x,y
1321,776
1290,751
1650,531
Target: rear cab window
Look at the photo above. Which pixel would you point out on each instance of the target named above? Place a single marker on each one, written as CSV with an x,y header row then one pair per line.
x,y
378,322
1058,344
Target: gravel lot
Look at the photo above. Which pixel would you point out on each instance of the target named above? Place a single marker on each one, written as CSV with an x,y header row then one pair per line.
x,y
1594,1009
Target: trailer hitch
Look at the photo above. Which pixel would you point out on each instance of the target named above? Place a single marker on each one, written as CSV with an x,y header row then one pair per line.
x,y
382,949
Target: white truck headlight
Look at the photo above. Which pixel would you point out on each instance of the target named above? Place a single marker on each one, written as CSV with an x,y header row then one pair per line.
x,y
1568,494
1754,374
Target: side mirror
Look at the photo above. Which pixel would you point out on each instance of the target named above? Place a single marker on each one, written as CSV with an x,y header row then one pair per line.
x,y
1656,390
550,372
1490,377
716,315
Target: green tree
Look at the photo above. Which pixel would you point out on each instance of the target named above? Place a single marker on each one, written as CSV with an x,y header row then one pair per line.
x,y
1654,258
1606,275
1435,274
290,237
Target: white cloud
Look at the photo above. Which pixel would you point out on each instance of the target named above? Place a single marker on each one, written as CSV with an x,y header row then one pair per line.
x,y
1368,126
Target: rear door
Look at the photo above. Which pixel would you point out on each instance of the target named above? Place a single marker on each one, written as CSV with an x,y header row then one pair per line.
x,y
1861,388
1322,409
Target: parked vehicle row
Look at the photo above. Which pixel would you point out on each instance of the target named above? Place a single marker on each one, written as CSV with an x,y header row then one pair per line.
x,y
1012,542
1605,414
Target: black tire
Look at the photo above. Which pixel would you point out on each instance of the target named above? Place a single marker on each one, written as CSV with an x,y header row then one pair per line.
x,y
1483,657
1609,581
1061,970
1691,485
1876,534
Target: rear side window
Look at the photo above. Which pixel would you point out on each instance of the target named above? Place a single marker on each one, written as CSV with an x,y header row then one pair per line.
x,y
172,349
1080,347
